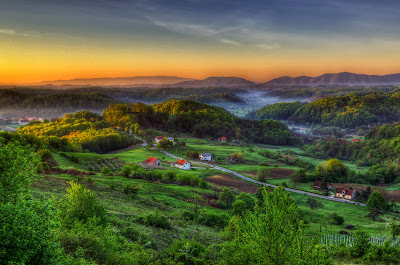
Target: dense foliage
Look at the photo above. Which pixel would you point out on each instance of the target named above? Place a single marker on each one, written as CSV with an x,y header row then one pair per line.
x,y
80,131
198,119
347,111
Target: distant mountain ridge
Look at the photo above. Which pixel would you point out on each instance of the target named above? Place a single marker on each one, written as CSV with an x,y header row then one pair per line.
x,y
119,81
344,78
225,82
334,79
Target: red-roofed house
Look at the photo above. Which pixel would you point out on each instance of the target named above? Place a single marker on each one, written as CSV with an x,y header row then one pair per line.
x,y
182,164
158,139
355,140
345,193
223,139
152,161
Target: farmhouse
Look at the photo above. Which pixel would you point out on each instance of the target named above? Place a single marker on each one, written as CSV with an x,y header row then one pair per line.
x,y
182,164
345,193
205,156
158,139
153,161
222,139
317,185
23,121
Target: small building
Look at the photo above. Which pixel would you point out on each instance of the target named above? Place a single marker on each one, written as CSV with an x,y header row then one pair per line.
x,y
205,156
223,139
317,185
23,121
171,139
182,164
153,161
144,144
355,140
158,139
345,193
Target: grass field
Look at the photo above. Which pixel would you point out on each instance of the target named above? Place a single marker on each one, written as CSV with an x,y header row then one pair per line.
x,y
173,199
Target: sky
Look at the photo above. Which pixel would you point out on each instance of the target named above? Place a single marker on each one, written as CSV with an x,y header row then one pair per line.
x,y
257,40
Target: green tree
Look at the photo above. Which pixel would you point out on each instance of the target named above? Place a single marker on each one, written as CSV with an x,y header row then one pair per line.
x,y
272,234
337,218
298,177
226,198
313,203
376,204
334,170
263,173
17,171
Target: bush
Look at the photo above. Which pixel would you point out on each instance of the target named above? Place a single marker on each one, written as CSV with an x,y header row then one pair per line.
x,y
156,219
102,244
80,205
44,154
42,167
185,251
337,218
213,219
187,215
106,171
342,232
350,227
134,234
131,189
239,207
128,168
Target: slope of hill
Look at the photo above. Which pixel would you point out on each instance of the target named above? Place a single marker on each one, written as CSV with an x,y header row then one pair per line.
x,y
345,78
347,111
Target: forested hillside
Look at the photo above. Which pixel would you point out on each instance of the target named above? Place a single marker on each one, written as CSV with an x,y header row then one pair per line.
x,y
199,119
347,111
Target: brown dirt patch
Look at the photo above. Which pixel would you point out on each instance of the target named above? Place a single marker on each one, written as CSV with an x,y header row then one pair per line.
x,y
225,180
276,173
389,194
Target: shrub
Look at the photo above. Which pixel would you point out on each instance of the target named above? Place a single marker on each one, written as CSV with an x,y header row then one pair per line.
x,y
226,198
80,205
156,219
187,215
134,234
131,189
128,168
184,251
44,154
213,219
106,171
42,167
342,232
239,207
337,218
314,204
349,226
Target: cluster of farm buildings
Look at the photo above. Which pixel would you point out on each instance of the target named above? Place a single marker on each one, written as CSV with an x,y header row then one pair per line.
x,y
340,192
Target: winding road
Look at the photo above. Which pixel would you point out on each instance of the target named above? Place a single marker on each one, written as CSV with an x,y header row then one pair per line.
x,y
265,184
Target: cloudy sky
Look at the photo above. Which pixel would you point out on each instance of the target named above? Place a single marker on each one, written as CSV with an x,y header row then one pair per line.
x,y
257,40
